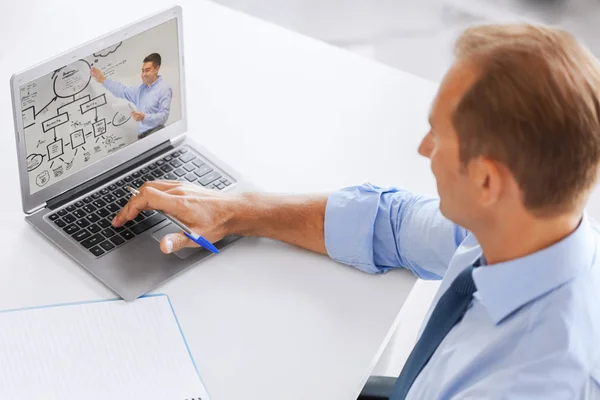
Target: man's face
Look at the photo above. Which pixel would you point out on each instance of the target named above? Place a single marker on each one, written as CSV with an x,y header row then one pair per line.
x,y
149,73
456,189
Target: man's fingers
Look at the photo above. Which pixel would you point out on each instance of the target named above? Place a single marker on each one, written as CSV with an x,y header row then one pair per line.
x,y
148,198
175,241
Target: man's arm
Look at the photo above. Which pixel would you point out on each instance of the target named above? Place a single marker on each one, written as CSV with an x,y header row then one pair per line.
x,y
164,107
370,228
117,89
377,229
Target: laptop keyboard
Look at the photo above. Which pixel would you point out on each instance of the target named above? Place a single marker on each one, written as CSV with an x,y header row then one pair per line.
x,y
88,221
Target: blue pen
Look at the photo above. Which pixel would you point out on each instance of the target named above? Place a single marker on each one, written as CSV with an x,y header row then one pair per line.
x,y
199,240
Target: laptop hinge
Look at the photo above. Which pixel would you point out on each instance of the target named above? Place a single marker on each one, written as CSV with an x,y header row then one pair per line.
x,y
100,180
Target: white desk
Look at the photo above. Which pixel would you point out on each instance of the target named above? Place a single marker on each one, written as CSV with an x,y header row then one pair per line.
x,y
263,320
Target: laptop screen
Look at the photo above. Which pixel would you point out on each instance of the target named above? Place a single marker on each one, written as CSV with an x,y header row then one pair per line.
x,y
100,104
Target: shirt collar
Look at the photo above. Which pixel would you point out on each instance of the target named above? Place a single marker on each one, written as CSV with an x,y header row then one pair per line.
x,y
504,287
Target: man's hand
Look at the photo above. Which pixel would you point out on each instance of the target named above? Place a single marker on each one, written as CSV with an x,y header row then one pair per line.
x,y
298,220
138,116
97,75
206,212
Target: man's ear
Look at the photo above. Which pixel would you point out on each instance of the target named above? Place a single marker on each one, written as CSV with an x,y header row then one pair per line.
x,y
487,176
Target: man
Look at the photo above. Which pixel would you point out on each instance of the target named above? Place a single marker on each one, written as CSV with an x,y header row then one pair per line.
x,y
152,98
514,146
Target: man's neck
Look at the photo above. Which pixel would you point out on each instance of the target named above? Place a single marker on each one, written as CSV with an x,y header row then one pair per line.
x,y
508,240
150,83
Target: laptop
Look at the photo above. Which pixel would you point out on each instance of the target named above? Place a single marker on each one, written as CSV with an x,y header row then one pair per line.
x,y
109,114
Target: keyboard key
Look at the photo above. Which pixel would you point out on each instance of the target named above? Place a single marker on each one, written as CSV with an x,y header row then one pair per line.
x,y
79,213
176,163
149,177
82,223
122,202
71,208
94,228
109,198
157,173
128,179
183,150
88,208
60,223
152,166
71,229
168,158
148,213
79,204
119,229
170,176
53,217
206,179
198,163
62,213
137,183
160,162
120,183
129,224
97,251
99,203
119,193
225,182
96,196
220,186
106,245
102,212
127,235
190,177
180,172
203,170
83,234
175,154
92,241
92,218
113,208
104,223
189,167
148,223
112,187
117,240
136,174
187,157
139,218
104,192
108,232
69,218
88,200
166,168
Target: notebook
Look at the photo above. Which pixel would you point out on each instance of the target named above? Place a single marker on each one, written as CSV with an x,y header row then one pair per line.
x,y
108,349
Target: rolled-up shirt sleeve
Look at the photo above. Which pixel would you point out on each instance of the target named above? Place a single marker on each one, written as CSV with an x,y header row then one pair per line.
x,y
377,229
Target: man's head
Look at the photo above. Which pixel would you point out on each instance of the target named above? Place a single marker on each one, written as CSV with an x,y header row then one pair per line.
x,y
515,127
150,68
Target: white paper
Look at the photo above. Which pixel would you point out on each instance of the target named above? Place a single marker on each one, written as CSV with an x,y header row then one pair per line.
x,y
97,351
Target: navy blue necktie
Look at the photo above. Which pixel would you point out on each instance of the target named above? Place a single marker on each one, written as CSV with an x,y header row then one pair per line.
x,y
448,312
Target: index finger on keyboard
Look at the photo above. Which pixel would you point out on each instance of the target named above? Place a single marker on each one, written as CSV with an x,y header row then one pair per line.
x,y
148,198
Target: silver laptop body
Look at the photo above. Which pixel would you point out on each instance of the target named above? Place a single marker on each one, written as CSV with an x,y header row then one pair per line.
x,y
79,145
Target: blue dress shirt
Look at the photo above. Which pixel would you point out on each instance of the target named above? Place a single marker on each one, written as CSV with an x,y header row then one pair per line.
x,y
154,101
532,330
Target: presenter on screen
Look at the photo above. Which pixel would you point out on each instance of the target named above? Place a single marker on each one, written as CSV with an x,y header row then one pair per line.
x,y
152,98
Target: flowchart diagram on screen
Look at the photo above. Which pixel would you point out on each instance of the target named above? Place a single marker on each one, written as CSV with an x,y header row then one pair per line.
x,y
71,121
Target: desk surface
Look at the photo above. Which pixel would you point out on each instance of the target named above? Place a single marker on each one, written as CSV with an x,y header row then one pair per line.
x,y
263,320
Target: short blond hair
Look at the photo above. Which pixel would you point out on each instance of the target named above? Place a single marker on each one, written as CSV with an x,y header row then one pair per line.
x,y
535,108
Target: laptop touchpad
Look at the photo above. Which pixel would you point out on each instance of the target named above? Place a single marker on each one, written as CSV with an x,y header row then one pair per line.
x,y
172,228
